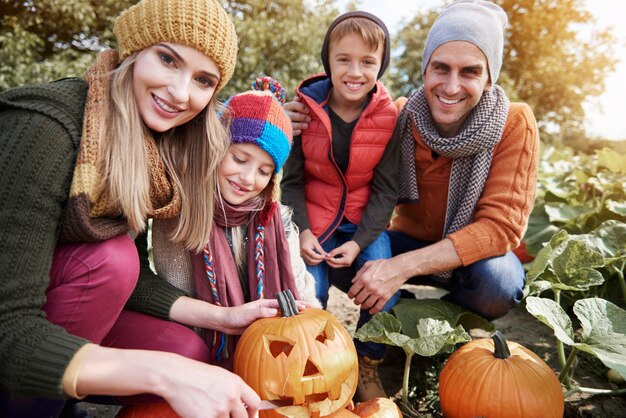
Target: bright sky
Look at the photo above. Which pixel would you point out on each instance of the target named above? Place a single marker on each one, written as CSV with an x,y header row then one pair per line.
x,y
605,115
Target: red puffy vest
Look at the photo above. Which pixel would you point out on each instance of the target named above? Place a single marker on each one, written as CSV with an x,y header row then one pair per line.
x,y
330,195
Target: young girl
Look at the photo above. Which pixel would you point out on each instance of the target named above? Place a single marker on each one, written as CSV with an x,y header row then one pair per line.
x,y
253,250
83,164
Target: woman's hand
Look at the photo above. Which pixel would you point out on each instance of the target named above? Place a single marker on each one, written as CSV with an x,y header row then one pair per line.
x,y
211,391
194,389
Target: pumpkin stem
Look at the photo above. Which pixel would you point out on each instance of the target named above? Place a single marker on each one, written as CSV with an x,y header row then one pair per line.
x,y
287,303
501,348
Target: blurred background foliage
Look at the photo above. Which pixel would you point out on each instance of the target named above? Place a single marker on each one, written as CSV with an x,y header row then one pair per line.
x,y
556,58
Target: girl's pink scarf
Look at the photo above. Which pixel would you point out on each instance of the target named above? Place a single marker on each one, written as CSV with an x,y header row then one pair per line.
x,y
269,265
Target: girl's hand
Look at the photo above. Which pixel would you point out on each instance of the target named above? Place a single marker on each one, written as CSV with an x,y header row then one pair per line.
x,y
236,319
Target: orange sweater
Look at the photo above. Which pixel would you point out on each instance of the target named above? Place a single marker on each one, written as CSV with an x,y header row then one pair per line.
x,y
502,211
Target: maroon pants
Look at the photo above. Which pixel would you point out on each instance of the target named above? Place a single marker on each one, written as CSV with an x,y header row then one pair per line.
x,y
89,286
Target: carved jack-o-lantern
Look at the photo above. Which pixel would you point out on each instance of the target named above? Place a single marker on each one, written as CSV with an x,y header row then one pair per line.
x,y
307,358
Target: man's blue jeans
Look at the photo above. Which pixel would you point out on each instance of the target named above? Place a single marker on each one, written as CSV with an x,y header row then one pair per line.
x,y
489,287
325,277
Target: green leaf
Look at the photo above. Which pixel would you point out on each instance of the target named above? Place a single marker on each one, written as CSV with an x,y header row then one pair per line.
x,y
432,336
377,328
609,239
618,208
564,212
568,263
612,160
410,311
552,314
436,336
603,331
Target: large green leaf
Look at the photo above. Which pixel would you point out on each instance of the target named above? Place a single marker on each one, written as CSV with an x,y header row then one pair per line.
x,y
564,212
433,336
410,311
539,230
609,239
552,314
567,263
603,327
603,331
618,208
612,160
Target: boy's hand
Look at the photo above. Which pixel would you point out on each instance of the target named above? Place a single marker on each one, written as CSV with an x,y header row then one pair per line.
x,y
298,113
344,255
310,249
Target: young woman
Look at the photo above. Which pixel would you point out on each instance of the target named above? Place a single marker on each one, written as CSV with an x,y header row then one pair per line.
x,y
253,251
84,163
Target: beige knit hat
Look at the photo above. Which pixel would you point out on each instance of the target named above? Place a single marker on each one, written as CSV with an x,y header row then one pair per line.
x,y
201,24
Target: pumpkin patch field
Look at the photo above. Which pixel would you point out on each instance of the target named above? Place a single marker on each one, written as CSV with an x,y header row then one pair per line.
x,y
517,327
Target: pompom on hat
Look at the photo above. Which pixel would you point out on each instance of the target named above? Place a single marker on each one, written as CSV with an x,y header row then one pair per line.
x,y
200,24
257,117
478,22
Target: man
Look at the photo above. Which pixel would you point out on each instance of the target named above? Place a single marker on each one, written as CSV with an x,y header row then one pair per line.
x,y
467,172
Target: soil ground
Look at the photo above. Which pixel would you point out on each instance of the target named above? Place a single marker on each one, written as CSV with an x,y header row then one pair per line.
x,y
518,326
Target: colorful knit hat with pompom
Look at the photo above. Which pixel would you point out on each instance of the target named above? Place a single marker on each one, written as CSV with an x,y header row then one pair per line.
x,y
257,117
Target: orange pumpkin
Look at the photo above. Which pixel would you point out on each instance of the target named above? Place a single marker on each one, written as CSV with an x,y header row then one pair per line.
x,y
377,408
151,410
495,378
305,357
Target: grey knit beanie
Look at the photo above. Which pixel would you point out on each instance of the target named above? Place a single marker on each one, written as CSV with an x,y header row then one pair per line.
x,y
478,22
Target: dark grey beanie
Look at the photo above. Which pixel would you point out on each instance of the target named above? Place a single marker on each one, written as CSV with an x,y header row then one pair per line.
x,y
478,22
365,15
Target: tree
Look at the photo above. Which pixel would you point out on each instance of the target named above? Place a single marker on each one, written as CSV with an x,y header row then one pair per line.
x,y
279,38
48,39
552,63
554,58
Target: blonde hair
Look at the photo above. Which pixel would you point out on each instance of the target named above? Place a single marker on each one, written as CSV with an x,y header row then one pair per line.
x,y
190,152
369,31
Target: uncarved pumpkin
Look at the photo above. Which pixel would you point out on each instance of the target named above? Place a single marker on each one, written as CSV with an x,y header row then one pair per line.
x,y
377,408
306,357
495,378
151,410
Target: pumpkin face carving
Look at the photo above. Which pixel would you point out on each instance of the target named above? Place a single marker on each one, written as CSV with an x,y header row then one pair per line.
x,y
306,358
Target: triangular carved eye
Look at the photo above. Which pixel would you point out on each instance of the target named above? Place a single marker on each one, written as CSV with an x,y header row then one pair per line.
x,y
278,347
310,369
327,333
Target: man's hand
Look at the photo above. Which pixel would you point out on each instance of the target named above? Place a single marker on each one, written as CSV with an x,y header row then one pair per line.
x,y
344,255
310,249
375,283
298,113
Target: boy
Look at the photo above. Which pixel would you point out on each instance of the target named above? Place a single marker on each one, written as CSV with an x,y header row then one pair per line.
x,y
341,176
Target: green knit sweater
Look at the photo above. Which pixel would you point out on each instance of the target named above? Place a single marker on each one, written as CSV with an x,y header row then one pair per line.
x,y
40,132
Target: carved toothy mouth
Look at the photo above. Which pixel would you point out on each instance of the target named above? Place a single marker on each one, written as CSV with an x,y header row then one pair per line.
x,y
320,404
